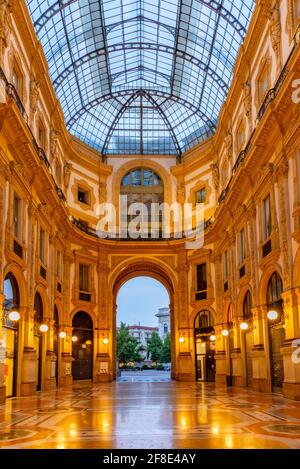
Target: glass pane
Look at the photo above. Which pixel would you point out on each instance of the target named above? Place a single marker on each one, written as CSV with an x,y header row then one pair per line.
x,y
147,177
181,53
136,177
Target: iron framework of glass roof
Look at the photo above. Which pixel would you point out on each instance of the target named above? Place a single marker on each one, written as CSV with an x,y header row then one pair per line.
x,y
141,76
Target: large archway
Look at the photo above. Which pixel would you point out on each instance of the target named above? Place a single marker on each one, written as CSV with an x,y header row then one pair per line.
x,y
143,330
143,269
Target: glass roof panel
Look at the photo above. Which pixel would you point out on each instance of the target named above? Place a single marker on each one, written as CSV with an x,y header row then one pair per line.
x,y
141,76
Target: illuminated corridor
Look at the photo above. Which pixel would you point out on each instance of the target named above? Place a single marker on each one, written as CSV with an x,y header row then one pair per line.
x,y
150,415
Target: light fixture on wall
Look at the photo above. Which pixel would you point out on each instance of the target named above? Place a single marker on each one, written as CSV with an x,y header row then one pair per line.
x,y
272,315
62,334
83,346
212,338
14,316
44,328
181,340
244,326
225,332
105,341
88,342
74,338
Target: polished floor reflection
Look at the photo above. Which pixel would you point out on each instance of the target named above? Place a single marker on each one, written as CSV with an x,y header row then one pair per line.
x,y
150,415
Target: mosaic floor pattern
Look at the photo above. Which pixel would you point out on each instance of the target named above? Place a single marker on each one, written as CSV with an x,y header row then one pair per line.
x,y
161,415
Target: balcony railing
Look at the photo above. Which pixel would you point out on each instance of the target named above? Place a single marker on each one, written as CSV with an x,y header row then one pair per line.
x,y
12,93
116,237
271,95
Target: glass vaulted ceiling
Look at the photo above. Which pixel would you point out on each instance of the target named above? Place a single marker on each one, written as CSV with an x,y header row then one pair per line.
x,y
141,76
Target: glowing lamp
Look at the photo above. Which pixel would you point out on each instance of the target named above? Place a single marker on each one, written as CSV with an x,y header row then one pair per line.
x,y
181,340
14,316
244,326
62,335
272,315
44,328
225,332
74,338
212,338
105,341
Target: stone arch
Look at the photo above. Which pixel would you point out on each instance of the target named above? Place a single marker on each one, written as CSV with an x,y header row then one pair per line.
x,y
58,304
141,268
46,303
137,163
154,268
86,310
264,280
196,311
296,270
19,276
241,297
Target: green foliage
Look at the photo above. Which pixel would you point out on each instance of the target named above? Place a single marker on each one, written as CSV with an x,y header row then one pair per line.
x,y
165,356
160,367
154,347
128,347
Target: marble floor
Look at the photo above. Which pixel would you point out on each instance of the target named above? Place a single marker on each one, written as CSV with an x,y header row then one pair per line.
x,y
145,376
162,415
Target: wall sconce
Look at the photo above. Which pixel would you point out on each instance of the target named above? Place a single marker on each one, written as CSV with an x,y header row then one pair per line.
x,y
105,341
244,326
181,340
74,338
44,328
225,332
212,338
14,316
62,335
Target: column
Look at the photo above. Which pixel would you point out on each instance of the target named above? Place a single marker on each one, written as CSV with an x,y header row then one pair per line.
x,y
50,363
260,355
65,345
184,334
2,353
29,360
220,355
103,336
290,350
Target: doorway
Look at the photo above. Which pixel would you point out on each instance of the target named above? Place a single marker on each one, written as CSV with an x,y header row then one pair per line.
x,y
82,346
276,331
10,334
143,331
205,347
38,340
247,338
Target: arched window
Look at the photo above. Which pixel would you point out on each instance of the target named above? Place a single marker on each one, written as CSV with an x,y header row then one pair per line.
x,y
56,318
142,185
247,314
11,292
11,300
82,321
203,320
38,309
274,289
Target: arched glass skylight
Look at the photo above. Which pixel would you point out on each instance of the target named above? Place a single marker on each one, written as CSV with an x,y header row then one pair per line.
x,y
141,76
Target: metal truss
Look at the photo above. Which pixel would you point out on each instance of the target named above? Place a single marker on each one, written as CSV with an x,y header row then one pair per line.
x,y
131,92
141,93
139,46
215,6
